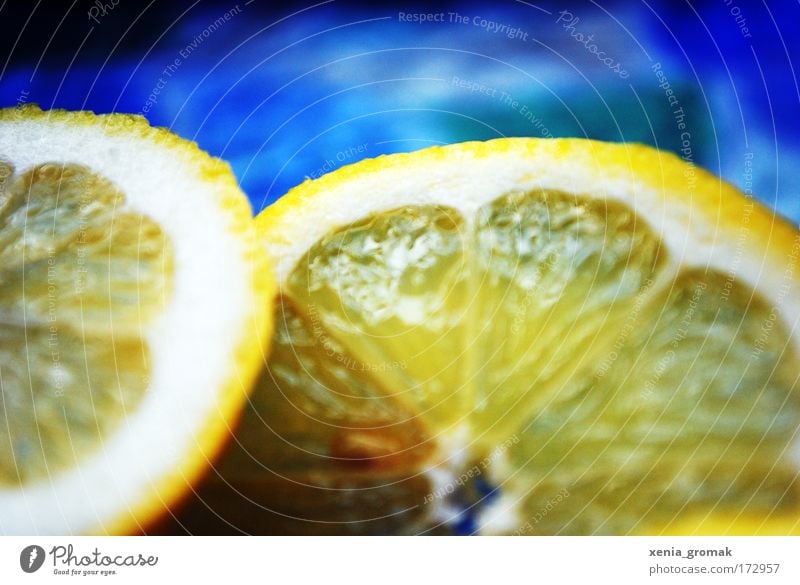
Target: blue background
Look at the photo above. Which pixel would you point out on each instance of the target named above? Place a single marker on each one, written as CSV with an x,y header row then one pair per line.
x,y
290,91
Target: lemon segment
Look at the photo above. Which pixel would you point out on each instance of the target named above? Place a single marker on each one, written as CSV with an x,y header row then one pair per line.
x,y
556,274
55,414
319,438
80,279
132,319
690,417
682,410
320,411
72,254
588,347
389,288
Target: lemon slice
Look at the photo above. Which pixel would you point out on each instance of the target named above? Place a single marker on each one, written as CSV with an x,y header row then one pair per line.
x,y
132,318
526,337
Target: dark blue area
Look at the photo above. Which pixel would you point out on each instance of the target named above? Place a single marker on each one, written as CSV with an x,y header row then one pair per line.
x,y
284,96
465,524
487,492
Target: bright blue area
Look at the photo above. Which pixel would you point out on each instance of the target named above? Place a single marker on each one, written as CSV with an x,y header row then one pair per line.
x,y
318,90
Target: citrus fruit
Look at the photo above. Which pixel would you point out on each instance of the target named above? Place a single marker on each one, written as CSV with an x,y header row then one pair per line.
x,y
132,318
522,336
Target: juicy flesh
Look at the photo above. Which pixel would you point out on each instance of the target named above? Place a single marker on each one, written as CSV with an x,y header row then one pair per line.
x,y
596,383
81,278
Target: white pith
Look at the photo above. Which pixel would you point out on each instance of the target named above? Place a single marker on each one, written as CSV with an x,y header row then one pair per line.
x,y
691,237
191,342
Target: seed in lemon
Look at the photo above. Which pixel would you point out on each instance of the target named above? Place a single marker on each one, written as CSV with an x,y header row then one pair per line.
x,y
131,317
522,336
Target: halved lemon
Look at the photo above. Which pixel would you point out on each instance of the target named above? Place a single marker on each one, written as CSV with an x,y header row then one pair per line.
x,y
132,318
526,337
